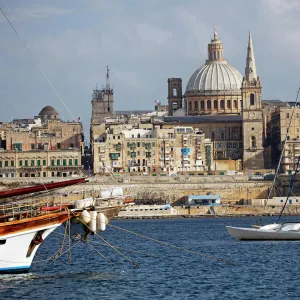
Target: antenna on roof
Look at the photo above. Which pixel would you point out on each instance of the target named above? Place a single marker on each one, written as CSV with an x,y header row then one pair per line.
x,y
107,80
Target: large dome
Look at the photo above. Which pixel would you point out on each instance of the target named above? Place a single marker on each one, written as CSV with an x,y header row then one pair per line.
x,y
215,76
48,110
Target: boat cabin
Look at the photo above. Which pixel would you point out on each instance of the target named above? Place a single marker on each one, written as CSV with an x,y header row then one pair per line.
x,y
212,200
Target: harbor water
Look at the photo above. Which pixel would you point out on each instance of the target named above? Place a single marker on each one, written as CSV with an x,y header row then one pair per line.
x,y
261,270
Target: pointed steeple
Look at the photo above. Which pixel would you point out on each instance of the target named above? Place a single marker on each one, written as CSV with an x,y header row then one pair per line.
x,y
250,70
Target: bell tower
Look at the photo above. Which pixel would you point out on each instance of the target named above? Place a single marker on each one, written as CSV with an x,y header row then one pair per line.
x,y
253,153
174,95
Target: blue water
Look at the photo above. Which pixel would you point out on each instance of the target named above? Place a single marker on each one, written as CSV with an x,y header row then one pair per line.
x,y
262,270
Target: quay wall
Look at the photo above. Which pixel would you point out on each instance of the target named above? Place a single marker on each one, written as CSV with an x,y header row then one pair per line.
x,y
232,189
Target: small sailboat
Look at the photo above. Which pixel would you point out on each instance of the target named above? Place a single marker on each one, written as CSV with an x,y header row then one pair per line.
x,y
276,231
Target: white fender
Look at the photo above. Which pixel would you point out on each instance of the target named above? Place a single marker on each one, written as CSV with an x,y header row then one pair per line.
x,y
85,217
93,221
101,222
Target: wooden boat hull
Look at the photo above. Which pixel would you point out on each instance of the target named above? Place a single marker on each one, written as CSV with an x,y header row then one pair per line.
x,y
263,235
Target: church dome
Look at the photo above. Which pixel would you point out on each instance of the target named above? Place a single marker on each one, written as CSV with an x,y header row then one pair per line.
x,y
48,113
216,74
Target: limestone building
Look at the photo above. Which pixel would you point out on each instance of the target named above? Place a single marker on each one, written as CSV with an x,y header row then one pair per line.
x,y
43,147
152,150
223,104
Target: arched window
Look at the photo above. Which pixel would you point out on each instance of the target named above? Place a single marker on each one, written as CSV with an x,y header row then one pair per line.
x,y
138,135
216,104
241,104
253,141
196,105
222,104
202,104
234,104
252,99
228,104
190,106
208,104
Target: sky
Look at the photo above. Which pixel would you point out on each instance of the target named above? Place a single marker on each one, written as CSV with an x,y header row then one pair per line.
x,y
144,42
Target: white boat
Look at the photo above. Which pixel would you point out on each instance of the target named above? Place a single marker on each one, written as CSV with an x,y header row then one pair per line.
x,y
285,231
25,225
20,239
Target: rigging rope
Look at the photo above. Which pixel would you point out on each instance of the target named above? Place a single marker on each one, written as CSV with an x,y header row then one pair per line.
x,y
176,247
111,246
282,151
290,190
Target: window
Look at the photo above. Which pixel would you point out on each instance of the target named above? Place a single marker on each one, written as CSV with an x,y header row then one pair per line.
x,y
70,162
52,162
222,104
58,145
118,137
128,144
44,162
38,162
71,145
64,162
32,163
196,105
52,174
212,135
26,163
234,104
202,104
20,163
252,99
208,104
287,115
241,104
222,135
39,146
228,104
216,104
114,137
12,163
138,144
0,164
253,142
6,163
58,162
138,153
44,174
128,152
76,162
32,146
153,144
174,92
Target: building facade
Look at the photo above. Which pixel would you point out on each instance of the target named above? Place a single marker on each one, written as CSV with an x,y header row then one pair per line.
x,y
153,150
40,163
44,147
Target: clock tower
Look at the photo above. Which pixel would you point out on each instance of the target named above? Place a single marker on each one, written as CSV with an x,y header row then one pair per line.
x,y
253,150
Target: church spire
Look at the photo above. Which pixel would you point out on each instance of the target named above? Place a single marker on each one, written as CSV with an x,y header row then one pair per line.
x,y
250,70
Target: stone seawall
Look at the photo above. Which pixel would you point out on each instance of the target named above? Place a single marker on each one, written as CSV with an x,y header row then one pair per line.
x,y
232,189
